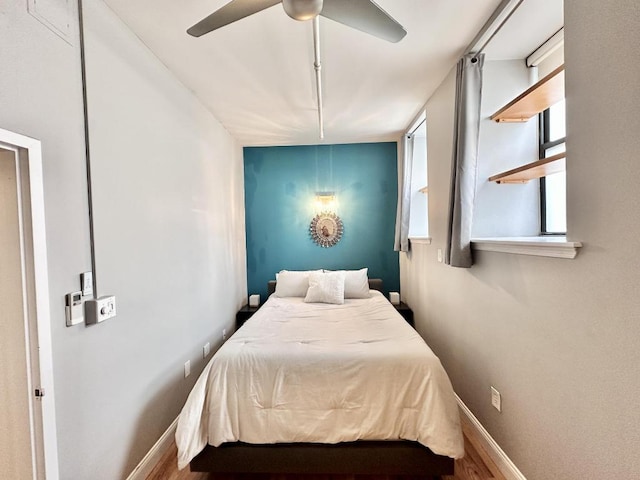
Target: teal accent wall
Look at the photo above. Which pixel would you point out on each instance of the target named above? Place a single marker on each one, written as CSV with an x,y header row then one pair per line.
x,y
280,185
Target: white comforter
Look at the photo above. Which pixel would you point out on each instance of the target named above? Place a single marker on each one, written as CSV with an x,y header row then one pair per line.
x,y
299,372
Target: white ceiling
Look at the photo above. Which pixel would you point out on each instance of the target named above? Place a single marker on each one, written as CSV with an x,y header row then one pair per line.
x,y
256,76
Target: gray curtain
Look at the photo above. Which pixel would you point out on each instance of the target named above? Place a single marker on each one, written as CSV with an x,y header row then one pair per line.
x,y
465,155
401,243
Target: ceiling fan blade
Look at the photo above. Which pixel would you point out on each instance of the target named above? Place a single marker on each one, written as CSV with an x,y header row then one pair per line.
x,y
231,12
366,16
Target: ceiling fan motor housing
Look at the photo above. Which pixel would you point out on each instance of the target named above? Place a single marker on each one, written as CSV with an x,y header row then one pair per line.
x,y
302,9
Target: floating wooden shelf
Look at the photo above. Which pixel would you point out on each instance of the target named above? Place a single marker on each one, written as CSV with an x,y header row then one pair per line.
x,y
537,98
537,169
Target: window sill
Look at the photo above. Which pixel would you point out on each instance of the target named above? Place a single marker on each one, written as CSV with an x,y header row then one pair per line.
x,y
420,240
557,247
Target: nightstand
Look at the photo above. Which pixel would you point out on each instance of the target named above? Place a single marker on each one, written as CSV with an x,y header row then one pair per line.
x,y
404,310
244,314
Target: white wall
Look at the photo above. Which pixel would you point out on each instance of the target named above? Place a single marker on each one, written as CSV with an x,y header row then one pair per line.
x,y
169,222
558,338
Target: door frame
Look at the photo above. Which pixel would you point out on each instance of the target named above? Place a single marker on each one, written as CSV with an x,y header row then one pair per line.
x,y
28,158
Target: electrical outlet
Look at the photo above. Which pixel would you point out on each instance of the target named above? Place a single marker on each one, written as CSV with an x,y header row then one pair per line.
x,y
224,334
187,368
496,399
439,255
205,350
99,309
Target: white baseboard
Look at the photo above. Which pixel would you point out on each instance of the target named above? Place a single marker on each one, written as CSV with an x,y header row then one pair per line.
x,y
502,461
152,457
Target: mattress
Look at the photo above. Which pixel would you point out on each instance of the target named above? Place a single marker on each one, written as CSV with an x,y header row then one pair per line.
x,y
322,373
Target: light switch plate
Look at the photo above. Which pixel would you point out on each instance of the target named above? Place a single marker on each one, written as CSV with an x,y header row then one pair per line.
x,y
496,399
86,283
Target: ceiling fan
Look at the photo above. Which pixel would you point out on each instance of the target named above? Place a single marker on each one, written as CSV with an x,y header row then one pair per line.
x,y
363,15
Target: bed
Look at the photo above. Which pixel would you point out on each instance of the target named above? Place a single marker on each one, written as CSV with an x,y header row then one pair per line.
x,y
322,389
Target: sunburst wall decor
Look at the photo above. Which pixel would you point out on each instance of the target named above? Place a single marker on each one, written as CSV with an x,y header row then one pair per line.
x,y
326,229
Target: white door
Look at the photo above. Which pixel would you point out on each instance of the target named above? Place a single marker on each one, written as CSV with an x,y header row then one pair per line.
x,y
22,446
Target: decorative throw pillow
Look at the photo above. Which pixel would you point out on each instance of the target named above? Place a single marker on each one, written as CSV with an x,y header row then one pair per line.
x,y
292,283
326,287
356,283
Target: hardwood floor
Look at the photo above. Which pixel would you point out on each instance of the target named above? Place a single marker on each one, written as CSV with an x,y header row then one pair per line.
x,y
476,465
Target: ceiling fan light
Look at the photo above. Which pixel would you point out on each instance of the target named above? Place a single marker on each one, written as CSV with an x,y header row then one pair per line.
x,y
302,9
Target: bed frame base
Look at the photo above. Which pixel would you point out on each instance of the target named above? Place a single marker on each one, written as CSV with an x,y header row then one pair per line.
x,y
351,458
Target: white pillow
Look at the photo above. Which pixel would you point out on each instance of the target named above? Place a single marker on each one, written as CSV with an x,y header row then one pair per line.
x,y
326,287
292,283
356,283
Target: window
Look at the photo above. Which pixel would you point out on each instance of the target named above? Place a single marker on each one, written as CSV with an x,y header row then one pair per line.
x,y
553,188
418,221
